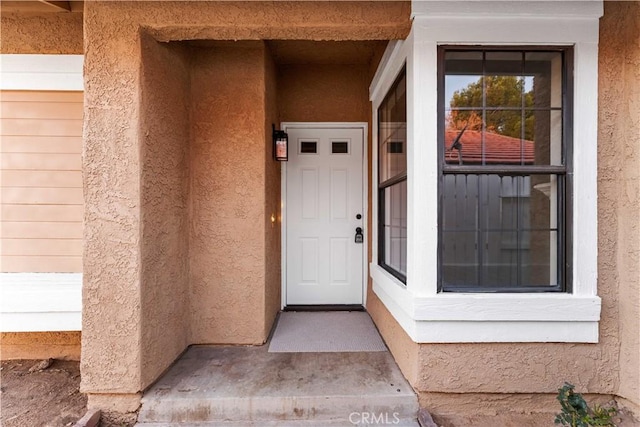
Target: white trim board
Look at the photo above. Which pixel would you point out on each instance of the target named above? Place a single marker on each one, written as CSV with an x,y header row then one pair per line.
x,y
365,188
431,317
40,302
41,72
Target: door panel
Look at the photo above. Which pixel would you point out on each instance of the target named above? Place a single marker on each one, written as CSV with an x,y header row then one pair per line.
x,y
324,194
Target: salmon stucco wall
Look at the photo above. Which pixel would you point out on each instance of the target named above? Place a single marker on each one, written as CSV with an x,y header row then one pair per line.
x,y
323,93
227,258
164,150
619,182
273,214
111,339
46,33
524,377
228,172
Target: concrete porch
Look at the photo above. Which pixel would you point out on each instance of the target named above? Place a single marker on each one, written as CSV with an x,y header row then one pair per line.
x,y
248,386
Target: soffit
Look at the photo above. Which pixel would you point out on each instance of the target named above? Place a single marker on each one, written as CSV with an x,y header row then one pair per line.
x,y
304,52
298,52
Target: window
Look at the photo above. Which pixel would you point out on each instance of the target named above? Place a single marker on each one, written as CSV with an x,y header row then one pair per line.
x,y
504,135
392,180
340,147
503,221
308,147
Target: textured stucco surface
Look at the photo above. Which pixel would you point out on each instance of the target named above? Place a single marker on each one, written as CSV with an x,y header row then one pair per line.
x,y
323,93
40,345
136,234
272,213
47,33
133,259
111,340
531,372
404,350
227,262
619,181
164,150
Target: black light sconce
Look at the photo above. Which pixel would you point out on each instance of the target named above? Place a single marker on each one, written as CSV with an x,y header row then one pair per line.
x,y
280,145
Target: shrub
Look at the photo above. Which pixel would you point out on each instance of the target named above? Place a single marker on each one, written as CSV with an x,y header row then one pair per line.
x,y
576,413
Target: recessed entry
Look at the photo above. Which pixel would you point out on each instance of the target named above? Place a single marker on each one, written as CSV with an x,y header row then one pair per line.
x,y
339,147
308,147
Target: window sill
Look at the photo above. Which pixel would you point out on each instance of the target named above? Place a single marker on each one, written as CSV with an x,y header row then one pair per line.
x,y
468,317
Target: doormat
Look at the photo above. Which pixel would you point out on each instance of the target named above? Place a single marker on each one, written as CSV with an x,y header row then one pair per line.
x,y
325,332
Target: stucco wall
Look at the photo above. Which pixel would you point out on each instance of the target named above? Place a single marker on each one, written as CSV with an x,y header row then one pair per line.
x,y
227,261
47,33
523,377
273,214
227,155
164,132
323,93
619,181
111,339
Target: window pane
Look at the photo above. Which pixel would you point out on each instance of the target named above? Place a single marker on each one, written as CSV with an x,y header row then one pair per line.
x,y
463,79
392,131
341,147
545,72
503,62
395,227
503,109
502,229
463,137
500,254
546,141
308,147
511,111
504,91
459,258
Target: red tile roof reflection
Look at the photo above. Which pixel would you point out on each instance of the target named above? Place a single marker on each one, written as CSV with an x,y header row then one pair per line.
x,y
499,149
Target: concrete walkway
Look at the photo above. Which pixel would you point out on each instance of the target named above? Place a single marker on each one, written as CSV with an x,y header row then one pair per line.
x,y
247,386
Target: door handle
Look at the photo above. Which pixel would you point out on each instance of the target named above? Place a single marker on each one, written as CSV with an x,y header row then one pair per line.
x,y
359,235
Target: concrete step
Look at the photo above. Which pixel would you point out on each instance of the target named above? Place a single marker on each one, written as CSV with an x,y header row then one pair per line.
x,y
246,386
342,423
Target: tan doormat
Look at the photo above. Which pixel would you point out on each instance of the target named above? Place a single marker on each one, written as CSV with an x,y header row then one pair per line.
x,y
325,332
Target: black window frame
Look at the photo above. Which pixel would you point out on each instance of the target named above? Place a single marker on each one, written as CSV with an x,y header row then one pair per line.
x,y
383,185
564,172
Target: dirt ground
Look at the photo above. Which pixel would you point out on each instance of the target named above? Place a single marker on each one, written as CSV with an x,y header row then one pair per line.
x,y
43,397
34,395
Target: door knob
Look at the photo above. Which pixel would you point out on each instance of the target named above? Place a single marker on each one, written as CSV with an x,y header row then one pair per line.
x,y
359,236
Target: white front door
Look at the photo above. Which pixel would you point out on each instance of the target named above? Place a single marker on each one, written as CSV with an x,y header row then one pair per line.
x,y
324,207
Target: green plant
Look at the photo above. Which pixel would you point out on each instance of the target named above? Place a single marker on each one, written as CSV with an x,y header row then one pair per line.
x,y
576,413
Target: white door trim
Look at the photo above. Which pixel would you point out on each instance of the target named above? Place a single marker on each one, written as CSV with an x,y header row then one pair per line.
x,y
365,199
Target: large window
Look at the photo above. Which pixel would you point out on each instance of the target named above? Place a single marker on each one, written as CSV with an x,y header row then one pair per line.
x,y
504,140
392,180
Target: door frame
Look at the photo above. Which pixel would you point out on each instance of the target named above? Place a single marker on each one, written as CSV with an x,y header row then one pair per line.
x,y
364,126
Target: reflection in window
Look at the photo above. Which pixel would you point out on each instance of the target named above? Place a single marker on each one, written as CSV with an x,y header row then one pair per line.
x,y
392,180
500,106
504,173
